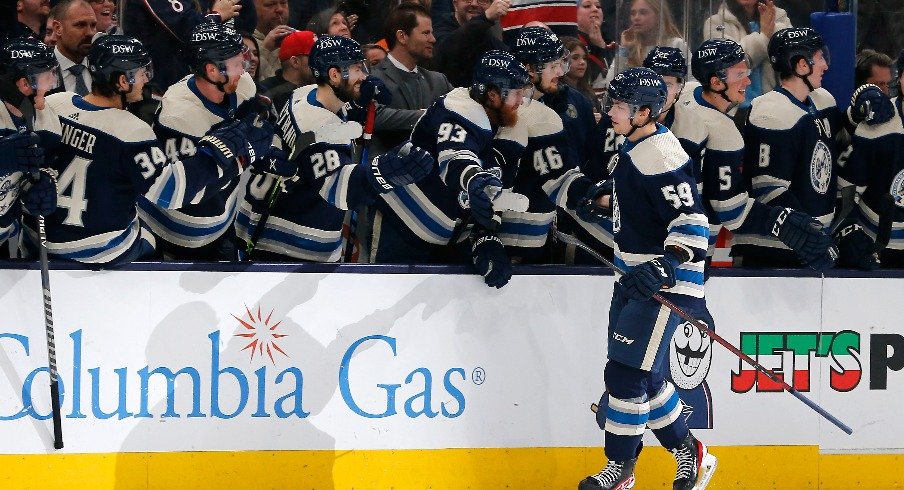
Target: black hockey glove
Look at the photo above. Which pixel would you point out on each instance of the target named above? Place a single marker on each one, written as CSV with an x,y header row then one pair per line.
x,y
277,163
870,104
372,88
856,249
21,152
226,143
405,164
260,138
800,233
39,197
489,257
482,188
646,279
588,209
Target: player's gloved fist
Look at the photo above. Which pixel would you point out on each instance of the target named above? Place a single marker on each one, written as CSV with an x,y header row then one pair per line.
x,y
39,197
489,258
646,279
260,138
373,89
588,209
482,188
823,262
226,143
277,163
800,233
405,164
856,248
870,104
25,150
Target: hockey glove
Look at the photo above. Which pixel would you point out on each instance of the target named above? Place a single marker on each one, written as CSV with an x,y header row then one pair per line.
x,y
856,249
40,197
588,209
225,144
402,165
646,279
372,88
482,188
25,150
260,138
489,257
277,163
800,233
870,104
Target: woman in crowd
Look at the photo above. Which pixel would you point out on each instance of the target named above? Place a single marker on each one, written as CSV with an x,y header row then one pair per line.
x,y
590,20
253,55
578,73
651,25
330,21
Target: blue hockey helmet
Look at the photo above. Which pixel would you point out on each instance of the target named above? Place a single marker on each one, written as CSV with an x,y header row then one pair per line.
x,y
639,88
116,54
335,52
501,71
667,62
212,42
713,59
789,45
28,58
537,46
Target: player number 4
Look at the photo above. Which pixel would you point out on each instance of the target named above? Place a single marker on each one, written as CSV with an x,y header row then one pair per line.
x,y
679,195
71,185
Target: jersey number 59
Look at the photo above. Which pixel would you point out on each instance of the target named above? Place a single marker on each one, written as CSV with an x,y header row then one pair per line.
x,y
678,195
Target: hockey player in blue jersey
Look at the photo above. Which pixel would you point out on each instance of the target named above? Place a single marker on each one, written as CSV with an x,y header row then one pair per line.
x,y
108,159
319,125
661,235
876,168
723,69
789,141
219,92
548,172
425,222
29,134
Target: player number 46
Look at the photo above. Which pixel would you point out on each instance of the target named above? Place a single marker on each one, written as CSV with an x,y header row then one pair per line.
x,y
679,195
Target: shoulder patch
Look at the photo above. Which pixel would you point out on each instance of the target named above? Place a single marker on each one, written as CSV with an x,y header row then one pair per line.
x,y
773,110
823,99
181,110
459,102
119,124
688,125
326,126
658,154
539,119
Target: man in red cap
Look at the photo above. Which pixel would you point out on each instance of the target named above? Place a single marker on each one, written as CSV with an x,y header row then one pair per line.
x,y
295,72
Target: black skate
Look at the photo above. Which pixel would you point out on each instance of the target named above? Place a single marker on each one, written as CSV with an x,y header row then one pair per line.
x,y
617,475
695,465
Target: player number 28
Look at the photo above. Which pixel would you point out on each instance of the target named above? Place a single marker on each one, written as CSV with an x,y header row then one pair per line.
x,y
325,163
679,195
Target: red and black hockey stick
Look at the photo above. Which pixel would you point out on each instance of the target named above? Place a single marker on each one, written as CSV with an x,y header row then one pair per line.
x,y
711,334
351,220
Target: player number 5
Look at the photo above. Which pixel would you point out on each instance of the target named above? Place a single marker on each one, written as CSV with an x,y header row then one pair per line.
x,y
678,195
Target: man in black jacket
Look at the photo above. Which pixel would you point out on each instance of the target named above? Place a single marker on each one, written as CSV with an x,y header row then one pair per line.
x,y
463,37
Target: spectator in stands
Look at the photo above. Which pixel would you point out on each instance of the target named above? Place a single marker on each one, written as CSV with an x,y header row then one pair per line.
x,y
578,75
409,32
272,16
164,26
295,71
252,55
463,37
590,21
873,67
374,54
31,15
330,21
750,24
103,11
49,34
651,25
301,12
75,26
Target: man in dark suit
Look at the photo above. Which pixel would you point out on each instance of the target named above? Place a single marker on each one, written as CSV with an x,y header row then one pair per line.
x,y
409,33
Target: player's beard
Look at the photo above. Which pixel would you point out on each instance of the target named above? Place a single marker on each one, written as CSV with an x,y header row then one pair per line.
x,y
503,115
345,91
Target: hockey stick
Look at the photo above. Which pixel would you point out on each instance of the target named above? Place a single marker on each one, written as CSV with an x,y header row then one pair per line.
x,y
29,114
711,334
886,220
847,205
365,150
265,215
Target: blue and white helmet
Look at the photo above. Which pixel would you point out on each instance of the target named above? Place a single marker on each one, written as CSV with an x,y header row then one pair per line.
x,y
500,70
639,88
335,52
537,46
667,62
713,59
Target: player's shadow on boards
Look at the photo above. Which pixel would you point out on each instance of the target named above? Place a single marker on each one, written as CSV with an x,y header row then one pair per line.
x,y
176,421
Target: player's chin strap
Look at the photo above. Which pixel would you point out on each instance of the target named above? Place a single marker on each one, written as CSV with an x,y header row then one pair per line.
x,y
221,86
724,94
806,78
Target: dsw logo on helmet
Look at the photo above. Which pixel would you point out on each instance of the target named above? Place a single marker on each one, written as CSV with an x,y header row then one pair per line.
x,y
121,49
18,54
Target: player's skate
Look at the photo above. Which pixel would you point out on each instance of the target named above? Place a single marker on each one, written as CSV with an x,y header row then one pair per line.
x,y
695,465
617,475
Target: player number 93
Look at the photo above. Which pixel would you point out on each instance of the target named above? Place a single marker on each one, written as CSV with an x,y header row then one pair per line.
x,y
678,195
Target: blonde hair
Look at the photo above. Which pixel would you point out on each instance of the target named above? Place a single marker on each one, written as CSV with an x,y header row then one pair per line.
x,y
637,47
